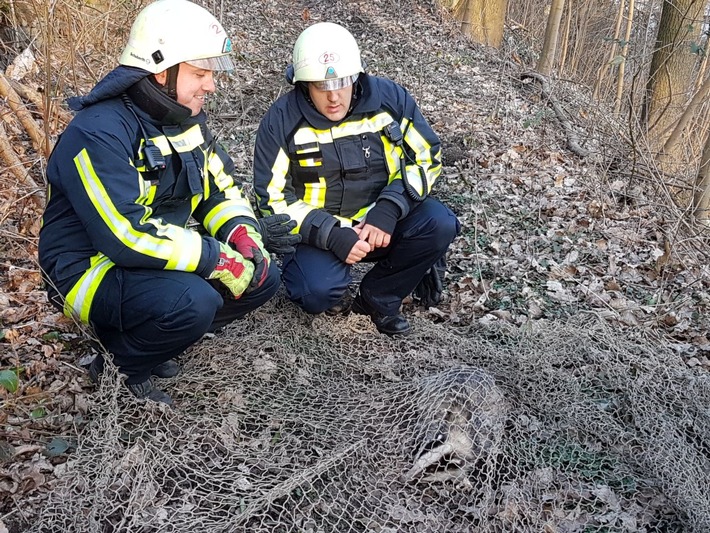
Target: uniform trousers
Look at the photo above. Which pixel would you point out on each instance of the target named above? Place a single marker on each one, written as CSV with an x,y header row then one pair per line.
x,y
316,279
146,317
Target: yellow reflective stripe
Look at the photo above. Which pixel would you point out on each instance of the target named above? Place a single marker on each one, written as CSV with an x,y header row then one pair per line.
x,y
356,218
345,222
297,211
392,155
310,162
362,212
162,142
358,127
424,159
78,302
187,256
315,193
311,135
225,211
187,140
147,191
367,125
275,190
121,227
277,184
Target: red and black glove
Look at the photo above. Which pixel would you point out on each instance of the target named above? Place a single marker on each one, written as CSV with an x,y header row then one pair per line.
x,y
246,240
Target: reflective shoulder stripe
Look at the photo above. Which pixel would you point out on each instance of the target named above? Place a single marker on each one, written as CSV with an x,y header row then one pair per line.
x,y
365,125
78,302
162,142
306,136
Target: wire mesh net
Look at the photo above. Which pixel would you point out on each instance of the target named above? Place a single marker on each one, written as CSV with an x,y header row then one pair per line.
x,y
289,422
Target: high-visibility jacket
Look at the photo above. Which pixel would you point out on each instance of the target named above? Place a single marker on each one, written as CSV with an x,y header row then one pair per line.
x,y
324,174
105,209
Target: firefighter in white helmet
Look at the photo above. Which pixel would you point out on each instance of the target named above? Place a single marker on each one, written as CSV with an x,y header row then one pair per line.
x,y
351,159
132,167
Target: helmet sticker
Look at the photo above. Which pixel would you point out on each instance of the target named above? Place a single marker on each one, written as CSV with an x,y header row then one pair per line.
x,y
330,73
328,57
227,46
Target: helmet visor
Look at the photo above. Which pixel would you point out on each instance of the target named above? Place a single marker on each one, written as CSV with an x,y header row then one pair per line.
x,y
213,63
335,83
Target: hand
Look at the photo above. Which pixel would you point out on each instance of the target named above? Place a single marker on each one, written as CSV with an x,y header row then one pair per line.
x,y
358,252
430,288
246,240
374,236
346,245
276,233
233,271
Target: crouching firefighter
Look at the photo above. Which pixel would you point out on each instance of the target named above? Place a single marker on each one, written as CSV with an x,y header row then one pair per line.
x,y
351,159
132,167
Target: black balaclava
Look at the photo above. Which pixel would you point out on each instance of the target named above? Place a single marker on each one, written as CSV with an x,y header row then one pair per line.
x,y
160,101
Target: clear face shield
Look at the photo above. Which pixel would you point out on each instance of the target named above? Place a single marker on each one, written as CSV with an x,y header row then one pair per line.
x,y
217,64
334,84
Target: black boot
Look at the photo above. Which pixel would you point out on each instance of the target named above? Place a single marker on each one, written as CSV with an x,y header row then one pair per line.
x,y
342,307
388,324
146,390
168,369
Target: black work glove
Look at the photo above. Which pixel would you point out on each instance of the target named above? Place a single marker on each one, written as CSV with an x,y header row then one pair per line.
x,y
431,285
276,233
341,241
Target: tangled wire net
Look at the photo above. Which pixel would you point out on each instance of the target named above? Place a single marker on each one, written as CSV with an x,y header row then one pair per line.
x,y
289,422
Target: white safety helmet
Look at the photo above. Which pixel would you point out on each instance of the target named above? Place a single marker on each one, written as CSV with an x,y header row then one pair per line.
x,y
168,32
326,55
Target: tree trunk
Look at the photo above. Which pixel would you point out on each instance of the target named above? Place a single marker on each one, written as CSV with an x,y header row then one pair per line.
x,y
552,32
622,65
671,72
701,199
690,112
612,52
482,20
565,35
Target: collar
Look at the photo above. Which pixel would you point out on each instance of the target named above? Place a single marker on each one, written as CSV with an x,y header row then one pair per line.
x,y
161,108
113,84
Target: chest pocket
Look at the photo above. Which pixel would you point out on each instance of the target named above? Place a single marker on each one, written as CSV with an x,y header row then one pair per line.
x,y
353,156
306,162
189,181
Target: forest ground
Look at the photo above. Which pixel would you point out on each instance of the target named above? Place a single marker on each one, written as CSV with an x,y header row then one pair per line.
x,y
547,234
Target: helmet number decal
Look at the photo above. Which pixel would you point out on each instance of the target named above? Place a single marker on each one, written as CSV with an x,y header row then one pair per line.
x,y
328,57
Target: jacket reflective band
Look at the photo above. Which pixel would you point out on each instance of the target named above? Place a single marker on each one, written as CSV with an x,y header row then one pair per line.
x,y
181,248
78,302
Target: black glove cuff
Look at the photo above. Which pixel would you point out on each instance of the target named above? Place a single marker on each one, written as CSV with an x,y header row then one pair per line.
x,y
341,241
384,216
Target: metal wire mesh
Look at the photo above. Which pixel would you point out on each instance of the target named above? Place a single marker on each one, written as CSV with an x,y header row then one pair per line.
x,y
288,422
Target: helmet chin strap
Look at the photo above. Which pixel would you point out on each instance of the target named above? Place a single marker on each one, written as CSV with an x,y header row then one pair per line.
x,y
170,87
